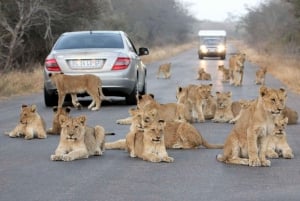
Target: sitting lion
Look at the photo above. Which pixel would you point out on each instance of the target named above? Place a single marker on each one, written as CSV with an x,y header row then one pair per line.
x,y
31,124
77,140
195,99
278,145
223,111
202,75
247,142
75,84
165,69
260,75
226,73
57,111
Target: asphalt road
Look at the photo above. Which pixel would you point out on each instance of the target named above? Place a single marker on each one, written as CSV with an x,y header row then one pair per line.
x,y
28,174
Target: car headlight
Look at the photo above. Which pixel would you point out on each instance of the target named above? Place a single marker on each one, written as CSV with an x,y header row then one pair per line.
x,y
221,48
203,49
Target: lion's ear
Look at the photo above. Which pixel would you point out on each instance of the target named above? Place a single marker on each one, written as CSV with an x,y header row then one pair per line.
x,y
263,90
54,109
68,109
33,108
151,95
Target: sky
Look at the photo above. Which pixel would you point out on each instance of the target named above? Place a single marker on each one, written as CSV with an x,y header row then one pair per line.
x,y
217,10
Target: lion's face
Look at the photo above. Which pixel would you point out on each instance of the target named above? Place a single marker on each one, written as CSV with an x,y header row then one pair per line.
x,y
73,129
273,100
204,91
28,114
155,132
143,100
280,125
223,99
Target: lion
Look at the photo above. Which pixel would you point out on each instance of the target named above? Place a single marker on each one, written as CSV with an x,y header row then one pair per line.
x,y
145,143
177,135
78,141
75,84
278,145
165,69
226,73
223,113
236,68
247,142
291,114
195,100
202,75
31,124
57,111
142,100
241,105
260,75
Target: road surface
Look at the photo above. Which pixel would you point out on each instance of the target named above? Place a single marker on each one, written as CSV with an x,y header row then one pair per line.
x,y
28,174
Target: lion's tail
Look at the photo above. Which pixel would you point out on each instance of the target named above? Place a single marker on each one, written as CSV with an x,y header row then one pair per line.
x,y
211,146
102,95
119,144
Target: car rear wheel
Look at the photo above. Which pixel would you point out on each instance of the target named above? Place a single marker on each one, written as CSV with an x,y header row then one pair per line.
x,y
50,99
131,98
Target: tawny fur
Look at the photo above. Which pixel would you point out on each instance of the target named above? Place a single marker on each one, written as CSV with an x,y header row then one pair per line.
x,y
76,84
58,111
225,73
202,75
260,75
164,69
277,144
223,112
30,125
247,142
236,68
78,141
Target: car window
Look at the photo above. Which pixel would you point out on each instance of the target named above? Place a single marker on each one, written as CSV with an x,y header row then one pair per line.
x,y
130,45
212,41
89,40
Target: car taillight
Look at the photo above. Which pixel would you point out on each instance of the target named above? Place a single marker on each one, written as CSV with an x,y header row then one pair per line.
x,y
121,63
52,65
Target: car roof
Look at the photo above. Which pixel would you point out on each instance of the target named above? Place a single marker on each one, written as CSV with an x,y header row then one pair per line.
x,y
93,31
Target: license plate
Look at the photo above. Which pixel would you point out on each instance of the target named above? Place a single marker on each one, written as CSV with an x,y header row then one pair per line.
x,y
86,63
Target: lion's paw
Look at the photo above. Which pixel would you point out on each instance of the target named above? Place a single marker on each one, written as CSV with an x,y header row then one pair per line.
x,y
56,157
67,158
266,163
254,162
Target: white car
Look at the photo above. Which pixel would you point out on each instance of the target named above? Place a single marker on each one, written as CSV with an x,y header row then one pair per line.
x,y
110,55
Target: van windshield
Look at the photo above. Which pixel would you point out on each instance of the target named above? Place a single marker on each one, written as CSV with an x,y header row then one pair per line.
x,y
212,41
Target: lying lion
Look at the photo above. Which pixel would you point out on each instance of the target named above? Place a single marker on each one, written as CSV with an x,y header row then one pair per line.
x,y
77,140
31,124
247,142
75,84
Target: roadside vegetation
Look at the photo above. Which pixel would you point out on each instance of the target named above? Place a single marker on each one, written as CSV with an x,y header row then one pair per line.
x,y
269,34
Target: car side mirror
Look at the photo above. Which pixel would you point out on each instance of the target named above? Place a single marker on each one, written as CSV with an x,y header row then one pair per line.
x,y
143,51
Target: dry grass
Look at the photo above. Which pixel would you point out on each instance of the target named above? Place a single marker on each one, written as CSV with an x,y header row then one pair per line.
x,y
286,68
20,83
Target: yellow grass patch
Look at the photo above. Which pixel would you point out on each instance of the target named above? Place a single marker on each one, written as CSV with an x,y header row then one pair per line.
x,y
20,83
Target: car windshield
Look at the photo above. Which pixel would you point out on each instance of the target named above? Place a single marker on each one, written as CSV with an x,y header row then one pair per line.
x,y
212,41
89,40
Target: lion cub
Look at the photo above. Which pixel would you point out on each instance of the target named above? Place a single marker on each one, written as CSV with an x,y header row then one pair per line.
x,y
260,76
75,84
58,111
223,112
278,145
165,69
31,124
78,140
202,75
247,142
226,73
